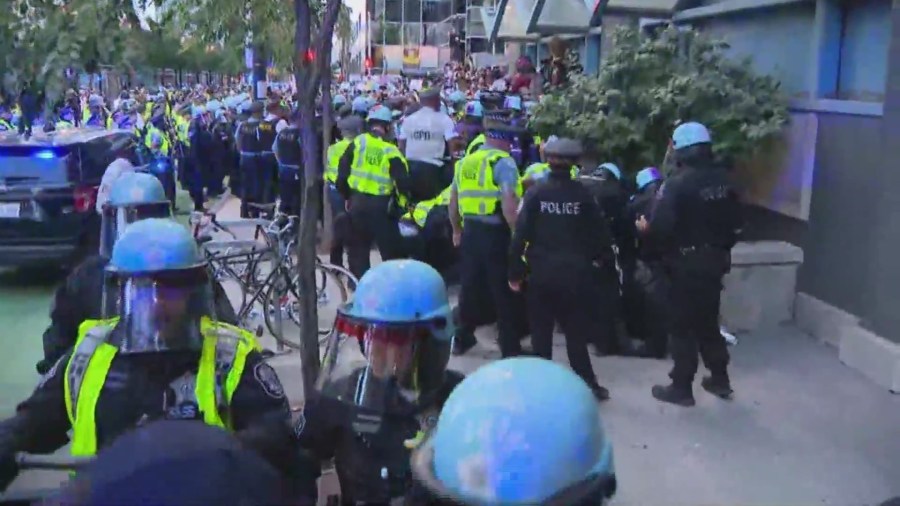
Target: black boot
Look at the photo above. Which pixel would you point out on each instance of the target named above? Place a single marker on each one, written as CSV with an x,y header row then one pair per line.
x,y
600,393
463,342
718,385
674,394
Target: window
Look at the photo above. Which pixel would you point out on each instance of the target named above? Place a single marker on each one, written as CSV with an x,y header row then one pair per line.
x,y
864,39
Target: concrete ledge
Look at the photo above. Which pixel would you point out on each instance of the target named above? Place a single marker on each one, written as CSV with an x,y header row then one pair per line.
x,y
759,291
821,320
873,356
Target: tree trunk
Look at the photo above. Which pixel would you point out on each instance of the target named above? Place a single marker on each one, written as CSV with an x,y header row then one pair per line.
x,y
308,76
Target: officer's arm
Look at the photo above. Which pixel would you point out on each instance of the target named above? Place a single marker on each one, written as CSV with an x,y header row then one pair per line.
x,y
275,150
80,292
598,239
41,422
506,176
261,418
665,213
453,206
344,166
399,172
522,235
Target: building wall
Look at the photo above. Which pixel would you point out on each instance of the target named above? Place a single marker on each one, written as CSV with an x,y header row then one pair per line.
x,y
833,64
777,41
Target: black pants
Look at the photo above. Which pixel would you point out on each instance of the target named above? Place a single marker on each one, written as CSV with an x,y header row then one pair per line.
x,y
370,223
340,225
651,301
572,307
428,179
290,189
694,297
606,304
250,184
268,169
483,278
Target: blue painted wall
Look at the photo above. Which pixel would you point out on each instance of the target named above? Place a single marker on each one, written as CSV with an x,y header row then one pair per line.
x,y
864,49
778,40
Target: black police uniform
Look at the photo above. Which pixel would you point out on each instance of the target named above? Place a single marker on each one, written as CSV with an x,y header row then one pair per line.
x,y
268,166
558,222
250,149
373,218
650,282
697,216
290,171
199,156
612,198
371,461
139,388
80,296
221,160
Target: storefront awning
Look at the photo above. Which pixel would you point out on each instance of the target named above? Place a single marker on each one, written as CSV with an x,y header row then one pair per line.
x,y
512,21
561,17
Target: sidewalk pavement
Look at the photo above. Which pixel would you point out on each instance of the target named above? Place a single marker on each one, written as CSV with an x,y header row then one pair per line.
x,y
802,429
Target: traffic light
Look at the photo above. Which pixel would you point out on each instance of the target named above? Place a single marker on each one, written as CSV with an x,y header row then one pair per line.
x,y
310,56
368,63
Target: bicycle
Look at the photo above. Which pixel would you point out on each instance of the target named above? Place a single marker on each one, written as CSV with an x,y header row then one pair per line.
x,y
276,291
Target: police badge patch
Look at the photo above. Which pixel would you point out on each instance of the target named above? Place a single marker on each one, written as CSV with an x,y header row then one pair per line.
x,y
268,379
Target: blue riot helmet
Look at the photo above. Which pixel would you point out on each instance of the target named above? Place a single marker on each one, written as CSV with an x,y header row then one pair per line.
x,y
609,171
338,101
474,109
133,196
360,105
692,144
457,98
518,431
163,289
513,102
390,345
646,176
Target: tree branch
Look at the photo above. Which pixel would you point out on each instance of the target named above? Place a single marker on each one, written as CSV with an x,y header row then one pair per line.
x,y
323,45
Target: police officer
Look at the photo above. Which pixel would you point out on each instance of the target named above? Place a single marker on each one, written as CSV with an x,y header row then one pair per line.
x,y
697,217
165,357
604,184
374,179
290,161
649,304
350,127
539,171
426,228
559,454
424,140
132,197
95,115
200,145
558,223
384,381
271,124
472,126
483,202
250,148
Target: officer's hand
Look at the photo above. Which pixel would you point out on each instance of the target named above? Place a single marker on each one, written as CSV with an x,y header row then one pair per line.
x,y
515,286
641,223
457,238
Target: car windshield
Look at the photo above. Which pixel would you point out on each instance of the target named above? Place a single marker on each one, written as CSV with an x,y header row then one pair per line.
x,y
27,166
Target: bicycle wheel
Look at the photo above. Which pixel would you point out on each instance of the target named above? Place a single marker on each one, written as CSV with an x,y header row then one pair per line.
x,y
284,297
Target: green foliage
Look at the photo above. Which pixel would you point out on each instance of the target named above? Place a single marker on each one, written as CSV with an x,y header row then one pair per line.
x,y
647,85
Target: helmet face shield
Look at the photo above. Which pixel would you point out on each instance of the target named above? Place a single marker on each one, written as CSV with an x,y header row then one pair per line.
x,y
162,312
383,367
115,219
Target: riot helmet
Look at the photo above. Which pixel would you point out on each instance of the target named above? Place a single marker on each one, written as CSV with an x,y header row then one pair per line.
x,y
133,196
559,454
389,348
162,286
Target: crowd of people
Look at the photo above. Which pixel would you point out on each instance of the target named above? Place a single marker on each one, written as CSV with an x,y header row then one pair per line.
x,y
449,184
